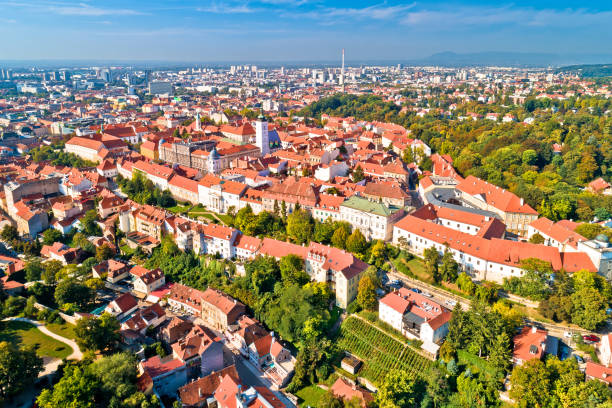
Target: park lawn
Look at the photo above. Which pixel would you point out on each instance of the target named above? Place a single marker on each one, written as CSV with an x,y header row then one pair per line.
x,y
65,330
227,219
310,396
26,334
200,213
178,209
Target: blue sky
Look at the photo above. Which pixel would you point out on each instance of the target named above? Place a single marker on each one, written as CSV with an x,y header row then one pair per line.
x,y
302,30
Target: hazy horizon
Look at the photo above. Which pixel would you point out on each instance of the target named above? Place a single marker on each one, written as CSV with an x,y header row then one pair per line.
x,y
277,31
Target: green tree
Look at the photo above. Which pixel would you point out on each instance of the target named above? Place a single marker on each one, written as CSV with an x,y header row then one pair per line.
x,y
97,333
358,174
33,270
466,284
76,388
330,400
589,308
398,390
356,242
9,233
531,384
536,239
52,268
529,157
52,235
449,267
263,272
104,252
500,355
71,291
340,237
378,253
323,231
438,387
432,258
89,225
292,270
299,226
366,293
19,368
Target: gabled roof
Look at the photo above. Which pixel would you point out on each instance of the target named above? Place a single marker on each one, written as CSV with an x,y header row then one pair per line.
x,y
495,196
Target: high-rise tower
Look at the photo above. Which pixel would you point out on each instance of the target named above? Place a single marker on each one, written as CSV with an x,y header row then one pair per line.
x,y
262,138
342,71
198,122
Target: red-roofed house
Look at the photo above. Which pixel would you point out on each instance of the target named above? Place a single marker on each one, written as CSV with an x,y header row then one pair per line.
x,y
599,186
219,309
149,281
196,393
122,306
201,351
167,374
594,371
415,316
270,357
529,344
348,390
515,213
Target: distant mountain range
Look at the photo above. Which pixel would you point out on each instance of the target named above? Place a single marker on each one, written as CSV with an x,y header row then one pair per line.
x,y
446,58
449,58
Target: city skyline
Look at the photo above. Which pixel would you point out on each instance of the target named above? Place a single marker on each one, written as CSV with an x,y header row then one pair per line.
x,y
291,31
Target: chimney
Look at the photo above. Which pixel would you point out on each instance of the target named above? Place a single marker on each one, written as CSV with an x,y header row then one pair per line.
x,y
534,329
200,392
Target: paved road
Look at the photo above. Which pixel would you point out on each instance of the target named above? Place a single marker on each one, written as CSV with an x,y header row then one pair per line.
x,y
439,295
76,351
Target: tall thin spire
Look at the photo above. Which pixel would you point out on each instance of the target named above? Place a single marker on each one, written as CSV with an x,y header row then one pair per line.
x,y
342,71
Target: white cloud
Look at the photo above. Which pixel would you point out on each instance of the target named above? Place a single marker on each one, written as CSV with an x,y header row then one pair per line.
x,y
70,9
452,16
84,9
375,12
227,9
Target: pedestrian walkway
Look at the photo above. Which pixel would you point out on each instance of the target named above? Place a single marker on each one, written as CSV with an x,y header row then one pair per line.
x,y
76,351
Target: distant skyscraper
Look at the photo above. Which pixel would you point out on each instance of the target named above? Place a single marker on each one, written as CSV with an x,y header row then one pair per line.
x,y
105,75
262,137
342,72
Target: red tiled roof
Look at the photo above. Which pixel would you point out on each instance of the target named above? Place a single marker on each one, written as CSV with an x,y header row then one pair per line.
x,y
529,343
497,197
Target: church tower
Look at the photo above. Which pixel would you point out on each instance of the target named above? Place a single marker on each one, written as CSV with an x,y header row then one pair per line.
x,y
198,122
262,138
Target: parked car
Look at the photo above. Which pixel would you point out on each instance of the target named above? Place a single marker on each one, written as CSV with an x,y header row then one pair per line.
x,y
415,290
451,302
578,358
590,338
427,294
568,335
